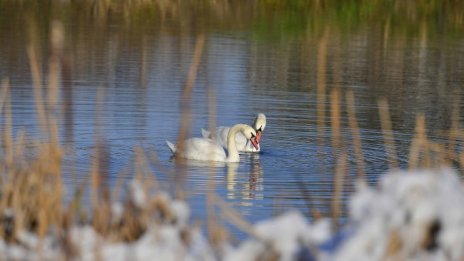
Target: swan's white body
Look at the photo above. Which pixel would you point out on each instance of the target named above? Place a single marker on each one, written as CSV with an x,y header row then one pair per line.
x,y
243,144
206,149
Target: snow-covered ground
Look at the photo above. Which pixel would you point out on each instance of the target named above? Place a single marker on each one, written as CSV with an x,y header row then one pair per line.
x,y
417,215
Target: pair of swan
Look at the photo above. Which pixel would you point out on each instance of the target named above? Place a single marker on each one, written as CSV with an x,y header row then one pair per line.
x,y
240,137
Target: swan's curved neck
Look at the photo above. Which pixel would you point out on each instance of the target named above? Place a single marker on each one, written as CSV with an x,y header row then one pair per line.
x,y
232,152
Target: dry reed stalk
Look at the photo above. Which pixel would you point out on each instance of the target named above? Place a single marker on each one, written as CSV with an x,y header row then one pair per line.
x,y
4,94
335,119
422,135
386,35
38,95
439,153
57,37
233,216
101,201
461,159
389,141
187,93
315,214
8,135
68,100
211,112
116,193
321,96
154,159
56,42
414,153
53,200
321,87
19,146
213,226
355,134
32,190
95,174
454,130
419,144
148,178
394,245
339,180
3,100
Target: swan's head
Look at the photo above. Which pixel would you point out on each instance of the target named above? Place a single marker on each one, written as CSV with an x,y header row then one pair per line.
x,y
259,124
251,135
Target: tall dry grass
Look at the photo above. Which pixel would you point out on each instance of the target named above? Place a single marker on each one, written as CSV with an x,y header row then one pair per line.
x,y
32,191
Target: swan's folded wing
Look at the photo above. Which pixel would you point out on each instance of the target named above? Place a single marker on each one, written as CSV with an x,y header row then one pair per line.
x,y
203,149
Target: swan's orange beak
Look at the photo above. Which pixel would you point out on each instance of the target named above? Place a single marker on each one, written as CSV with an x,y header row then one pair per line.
x,y
258,136
254,141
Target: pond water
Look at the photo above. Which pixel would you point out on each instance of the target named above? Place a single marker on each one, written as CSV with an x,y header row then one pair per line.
x,y
142,77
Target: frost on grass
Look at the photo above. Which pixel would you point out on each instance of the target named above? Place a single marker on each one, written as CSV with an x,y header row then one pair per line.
x,y
145,227
416,215
408,216
287,237
160,242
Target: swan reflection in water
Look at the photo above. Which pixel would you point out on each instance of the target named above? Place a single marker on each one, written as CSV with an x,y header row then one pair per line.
x,y
244,180
246,186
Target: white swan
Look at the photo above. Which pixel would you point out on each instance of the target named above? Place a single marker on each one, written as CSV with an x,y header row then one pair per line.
x,y
207,149
243,144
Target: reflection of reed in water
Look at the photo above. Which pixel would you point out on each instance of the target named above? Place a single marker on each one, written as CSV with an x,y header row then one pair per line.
x,y
251,188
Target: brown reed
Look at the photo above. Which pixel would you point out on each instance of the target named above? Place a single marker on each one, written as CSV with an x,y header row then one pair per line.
x,y
315,213
339,182
356,136
32,189
454,129
37,84
321,87
389,141
418,145
215,233
184,122
233,216
335,120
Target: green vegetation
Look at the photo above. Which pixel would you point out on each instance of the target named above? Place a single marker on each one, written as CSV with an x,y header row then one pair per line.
x,y
271,17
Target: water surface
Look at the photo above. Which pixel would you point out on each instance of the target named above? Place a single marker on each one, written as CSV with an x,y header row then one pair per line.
x,y
140,78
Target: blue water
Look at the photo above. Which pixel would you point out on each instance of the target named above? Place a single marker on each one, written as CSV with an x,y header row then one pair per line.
x,y
138,94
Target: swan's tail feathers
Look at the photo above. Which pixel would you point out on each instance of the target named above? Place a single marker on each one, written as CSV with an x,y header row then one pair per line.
x,y
205,133
171,146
